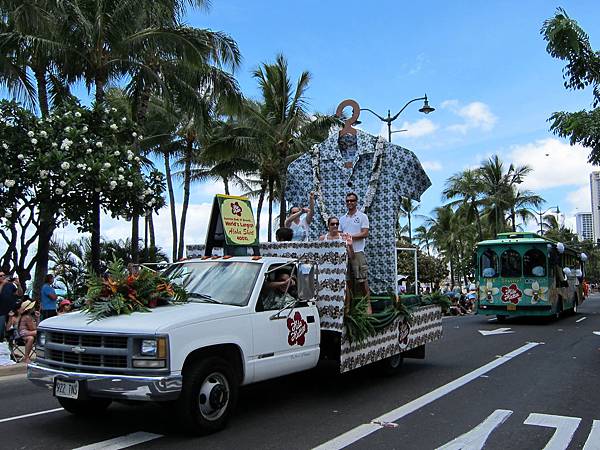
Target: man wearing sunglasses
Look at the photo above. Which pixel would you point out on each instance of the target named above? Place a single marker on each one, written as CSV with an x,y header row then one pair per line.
x,y
356,224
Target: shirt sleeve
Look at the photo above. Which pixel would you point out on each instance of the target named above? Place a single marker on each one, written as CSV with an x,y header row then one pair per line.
x,y
364,222
299,181
413,180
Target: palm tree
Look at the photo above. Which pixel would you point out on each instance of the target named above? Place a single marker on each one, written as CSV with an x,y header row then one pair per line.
x,y
465,188
424,237
407,209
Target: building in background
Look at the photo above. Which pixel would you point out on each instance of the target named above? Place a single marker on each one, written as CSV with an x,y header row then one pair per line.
x,y
585,226
595,192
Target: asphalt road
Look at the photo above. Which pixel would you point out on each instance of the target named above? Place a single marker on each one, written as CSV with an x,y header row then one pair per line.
x,y
532,387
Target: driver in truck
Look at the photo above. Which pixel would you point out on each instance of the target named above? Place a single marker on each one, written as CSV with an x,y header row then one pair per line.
x,y
278,294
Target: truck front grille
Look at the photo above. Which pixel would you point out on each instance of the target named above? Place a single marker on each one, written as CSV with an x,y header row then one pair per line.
x,y
102,353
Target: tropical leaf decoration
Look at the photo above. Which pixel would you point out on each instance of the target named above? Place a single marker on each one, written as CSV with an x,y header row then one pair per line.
x,y
437,298
121,292
358,325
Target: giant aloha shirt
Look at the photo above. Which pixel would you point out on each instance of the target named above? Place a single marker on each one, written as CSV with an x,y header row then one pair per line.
x,y
399,175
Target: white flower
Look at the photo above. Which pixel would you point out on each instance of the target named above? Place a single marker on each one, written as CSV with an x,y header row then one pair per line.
x,y
30,134
54,144
99,144
9,183
89,169
81,166
129,157
21,156
43,134
121,170
134,134
121,177
97,189
113,184
77,114
123,119
147,191
151,202
62,183
34,141
117,153
88,151
43,174
137,159
7,214
65,166
129,184
4,146
65,144
107,165
107,110
114,127
84,129
141,137
59,191
67,129
113,109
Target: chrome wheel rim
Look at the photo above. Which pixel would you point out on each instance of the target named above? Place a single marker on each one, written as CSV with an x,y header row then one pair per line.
x,y
213,398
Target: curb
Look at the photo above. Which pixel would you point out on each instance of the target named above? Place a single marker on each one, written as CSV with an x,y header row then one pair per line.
x,y
15,369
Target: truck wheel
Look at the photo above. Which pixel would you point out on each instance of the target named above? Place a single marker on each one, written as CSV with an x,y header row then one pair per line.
x,y
501,318
391,365
88,407
209,394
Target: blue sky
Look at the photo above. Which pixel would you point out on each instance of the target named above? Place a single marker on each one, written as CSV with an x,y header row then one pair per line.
x,y
483,65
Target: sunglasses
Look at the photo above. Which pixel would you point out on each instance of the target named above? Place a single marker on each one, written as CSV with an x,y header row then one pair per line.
x,y
333,224
350,201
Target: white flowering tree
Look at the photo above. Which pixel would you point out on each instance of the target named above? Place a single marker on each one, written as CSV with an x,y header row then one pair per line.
x,y
70,166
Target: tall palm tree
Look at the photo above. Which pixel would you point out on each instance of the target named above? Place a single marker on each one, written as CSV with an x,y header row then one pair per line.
x,y
466,188
425,238
407,209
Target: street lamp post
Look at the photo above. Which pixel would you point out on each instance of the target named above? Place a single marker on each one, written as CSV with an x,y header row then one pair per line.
x,y
540,214
425,109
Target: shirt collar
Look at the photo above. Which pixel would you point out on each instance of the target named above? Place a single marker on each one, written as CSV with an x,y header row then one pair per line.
x,y
365,144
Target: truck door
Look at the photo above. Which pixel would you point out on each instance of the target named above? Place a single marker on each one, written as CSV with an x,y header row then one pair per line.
x,y
285,340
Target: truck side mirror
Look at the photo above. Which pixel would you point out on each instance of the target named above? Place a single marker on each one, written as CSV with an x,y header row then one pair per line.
x,y
308,280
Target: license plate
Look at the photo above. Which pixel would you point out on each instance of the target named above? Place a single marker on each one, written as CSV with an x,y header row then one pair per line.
x,y
511,307
66,388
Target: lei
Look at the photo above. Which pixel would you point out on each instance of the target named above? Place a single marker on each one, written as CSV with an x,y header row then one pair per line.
x,y
371,187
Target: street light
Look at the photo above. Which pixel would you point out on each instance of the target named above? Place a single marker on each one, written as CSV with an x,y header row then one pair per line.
x,y
425,109
540,213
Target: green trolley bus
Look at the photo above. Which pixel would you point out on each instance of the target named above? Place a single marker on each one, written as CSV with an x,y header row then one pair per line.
x,y
524,274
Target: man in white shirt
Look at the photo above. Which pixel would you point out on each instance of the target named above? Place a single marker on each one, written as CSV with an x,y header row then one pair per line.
x,y
356,224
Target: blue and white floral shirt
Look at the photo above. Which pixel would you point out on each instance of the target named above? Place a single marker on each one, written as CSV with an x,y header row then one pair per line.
x,y
401,175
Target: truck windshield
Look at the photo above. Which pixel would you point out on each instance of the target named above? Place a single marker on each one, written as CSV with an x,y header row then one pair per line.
x,y
228,283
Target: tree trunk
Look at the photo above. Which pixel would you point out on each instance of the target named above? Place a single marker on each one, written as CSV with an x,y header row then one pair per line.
x,y
42,91
135,237
46,228
226,184
513,219
409,228
270,229
186,196
171,204
146,216
152,237
282,185
95,233
261,198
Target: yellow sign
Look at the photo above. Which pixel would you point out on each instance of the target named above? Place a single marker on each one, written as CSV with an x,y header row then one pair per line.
x,y
238,220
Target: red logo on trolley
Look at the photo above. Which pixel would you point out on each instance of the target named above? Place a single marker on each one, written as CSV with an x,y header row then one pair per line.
x,y
298,328
511,294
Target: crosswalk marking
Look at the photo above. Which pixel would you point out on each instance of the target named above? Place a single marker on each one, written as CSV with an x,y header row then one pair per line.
x,y
122,441
593,440
476,438
565,428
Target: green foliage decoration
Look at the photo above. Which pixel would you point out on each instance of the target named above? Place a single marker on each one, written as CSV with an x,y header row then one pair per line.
x,y
121,292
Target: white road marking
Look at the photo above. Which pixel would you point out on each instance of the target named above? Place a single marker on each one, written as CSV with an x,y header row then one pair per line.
x,y
593,440
476,438
24,416
364,430
579,320
496,331
596,333
492,319
565,428
122,441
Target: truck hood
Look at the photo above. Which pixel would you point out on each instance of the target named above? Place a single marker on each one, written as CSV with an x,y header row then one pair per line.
x,y
159,320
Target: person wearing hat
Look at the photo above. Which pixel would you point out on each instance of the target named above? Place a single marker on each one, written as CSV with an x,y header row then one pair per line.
x,y
27,327
64,306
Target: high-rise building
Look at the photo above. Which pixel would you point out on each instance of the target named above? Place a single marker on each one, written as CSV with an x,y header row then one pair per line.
x,y
595,192
585,227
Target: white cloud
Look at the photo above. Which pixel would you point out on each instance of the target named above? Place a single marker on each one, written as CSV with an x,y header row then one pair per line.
x,y
475,115
580,200
420,128
431,165
554,163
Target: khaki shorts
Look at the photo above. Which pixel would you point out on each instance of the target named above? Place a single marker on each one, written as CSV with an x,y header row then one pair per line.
x,y
358,269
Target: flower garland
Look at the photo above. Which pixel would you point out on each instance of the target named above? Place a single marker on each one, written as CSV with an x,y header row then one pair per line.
x,y
371,187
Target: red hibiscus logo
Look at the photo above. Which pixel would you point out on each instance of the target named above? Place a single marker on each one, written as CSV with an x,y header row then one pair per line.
x,y
298,328
236,209
511,294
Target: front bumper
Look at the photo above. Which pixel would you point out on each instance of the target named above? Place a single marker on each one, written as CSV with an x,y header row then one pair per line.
x,y
126,387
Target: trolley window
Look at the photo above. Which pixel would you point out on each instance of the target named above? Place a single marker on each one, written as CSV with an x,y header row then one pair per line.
x,y
488,264
511,264
534,263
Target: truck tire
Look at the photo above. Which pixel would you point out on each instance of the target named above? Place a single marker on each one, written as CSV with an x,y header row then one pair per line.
x,y
88,407
391,365
208,396
501,318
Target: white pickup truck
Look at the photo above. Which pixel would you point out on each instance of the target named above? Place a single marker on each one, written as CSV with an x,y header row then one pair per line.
x,y
199,353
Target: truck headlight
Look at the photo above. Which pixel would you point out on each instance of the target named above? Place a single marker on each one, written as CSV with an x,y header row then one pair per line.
x,y
41,339
152,353
149,347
